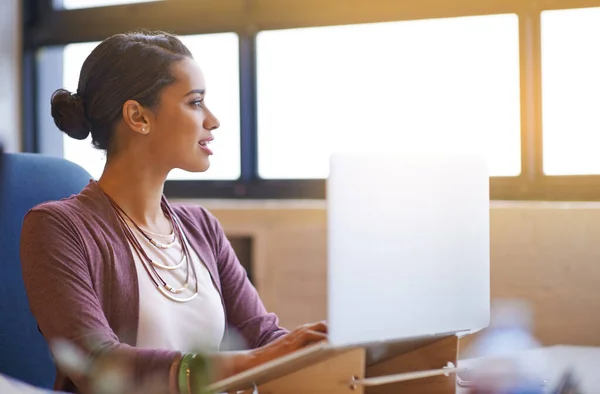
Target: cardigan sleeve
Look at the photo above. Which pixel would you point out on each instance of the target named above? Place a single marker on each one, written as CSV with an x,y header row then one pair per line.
x,y
63,300
245,310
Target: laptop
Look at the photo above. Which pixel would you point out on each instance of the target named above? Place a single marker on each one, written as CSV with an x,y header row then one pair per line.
x,y
408,246
408,257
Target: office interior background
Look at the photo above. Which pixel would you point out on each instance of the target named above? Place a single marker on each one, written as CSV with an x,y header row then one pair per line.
x,y
514,80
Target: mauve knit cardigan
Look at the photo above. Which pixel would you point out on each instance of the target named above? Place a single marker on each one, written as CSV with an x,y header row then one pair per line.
x,y
81,281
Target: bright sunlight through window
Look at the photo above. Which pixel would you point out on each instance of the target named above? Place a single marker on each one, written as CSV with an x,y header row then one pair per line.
x,y
570,86
217,55
73,4
449,85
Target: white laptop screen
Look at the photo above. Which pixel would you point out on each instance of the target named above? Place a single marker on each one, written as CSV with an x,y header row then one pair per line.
x,y
408,241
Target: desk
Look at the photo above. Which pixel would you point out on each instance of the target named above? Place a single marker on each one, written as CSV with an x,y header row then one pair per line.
x,y
582,360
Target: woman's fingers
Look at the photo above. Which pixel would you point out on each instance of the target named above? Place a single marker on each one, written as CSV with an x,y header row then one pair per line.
x,y
302,336
320,326
311,337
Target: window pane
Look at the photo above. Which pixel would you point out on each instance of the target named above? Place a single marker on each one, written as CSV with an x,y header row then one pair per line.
x,y
73,4
217,54
570,86
430,85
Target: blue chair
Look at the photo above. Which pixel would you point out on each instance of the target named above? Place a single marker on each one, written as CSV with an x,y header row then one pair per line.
x,y
26,180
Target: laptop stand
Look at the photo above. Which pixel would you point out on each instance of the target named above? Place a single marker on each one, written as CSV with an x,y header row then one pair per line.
x,y
429,368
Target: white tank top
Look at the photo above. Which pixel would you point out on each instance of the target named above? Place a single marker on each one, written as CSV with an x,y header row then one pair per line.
x,y
196,325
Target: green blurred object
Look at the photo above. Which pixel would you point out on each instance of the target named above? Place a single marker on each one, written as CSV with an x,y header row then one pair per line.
x,y
184,369
194,374
201,373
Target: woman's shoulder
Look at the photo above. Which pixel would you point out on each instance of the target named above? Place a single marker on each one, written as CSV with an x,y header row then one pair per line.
x,y
85,206
62,220
67,205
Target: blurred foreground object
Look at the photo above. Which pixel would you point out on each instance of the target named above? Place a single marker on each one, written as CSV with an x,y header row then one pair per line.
x,y
497,369
567,384
9,385
110,372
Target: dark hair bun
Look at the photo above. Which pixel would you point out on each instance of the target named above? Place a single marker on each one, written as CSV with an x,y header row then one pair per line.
x,y
68,114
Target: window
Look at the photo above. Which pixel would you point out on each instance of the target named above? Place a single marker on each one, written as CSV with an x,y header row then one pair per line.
x,y
217,54
571,91
74,4
430,85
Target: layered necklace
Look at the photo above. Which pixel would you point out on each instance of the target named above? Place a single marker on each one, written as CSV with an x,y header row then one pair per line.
x,y
172,293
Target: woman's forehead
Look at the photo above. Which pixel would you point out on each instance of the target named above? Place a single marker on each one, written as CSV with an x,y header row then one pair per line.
x,y
189,77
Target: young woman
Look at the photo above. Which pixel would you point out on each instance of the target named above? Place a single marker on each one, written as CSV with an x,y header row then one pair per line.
x,y
119,270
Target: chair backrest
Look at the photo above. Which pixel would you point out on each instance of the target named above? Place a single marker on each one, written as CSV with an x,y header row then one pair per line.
x,y
26,180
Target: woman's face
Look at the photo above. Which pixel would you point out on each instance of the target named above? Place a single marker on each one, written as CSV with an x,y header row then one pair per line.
x,y
181,128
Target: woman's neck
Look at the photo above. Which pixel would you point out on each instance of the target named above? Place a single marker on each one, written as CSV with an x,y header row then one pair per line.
x,y
138,190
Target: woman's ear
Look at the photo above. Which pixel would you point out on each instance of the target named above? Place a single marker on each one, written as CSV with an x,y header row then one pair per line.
x,y
136,117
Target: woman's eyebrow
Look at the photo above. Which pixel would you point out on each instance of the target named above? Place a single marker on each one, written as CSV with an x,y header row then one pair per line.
x,y
194,91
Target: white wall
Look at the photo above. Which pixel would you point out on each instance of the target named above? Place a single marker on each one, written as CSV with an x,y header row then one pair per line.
x,y
10,76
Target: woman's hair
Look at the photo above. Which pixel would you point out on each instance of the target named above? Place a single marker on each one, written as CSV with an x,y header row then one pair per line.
x,y
132,66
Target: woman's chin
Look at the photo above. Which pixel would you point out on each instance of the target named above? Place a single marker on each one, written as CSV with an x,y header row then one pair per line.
x,y
193,167
194,164
198,167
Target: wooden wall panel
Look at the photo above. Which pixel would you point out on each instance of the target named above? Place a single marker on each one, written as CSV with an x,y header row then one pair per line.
x,y
546,253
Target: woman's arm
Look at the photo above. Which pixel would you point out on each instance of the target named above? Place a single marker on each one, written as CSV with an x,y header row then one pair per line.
x,y
245,310
63,300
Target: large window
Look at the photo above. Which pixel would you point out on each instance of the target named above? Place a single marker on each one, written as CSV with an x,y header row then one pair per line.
x,y
217,55
447,85
515,81
73,4
571,91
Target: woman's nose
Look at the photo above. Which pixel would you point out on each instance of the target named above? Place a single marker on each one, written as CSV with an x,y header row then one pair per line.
x,y
211,122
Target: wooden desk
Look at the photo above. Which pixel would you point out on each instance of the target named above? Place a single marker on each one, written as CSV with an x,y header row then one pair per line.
x,y
582,360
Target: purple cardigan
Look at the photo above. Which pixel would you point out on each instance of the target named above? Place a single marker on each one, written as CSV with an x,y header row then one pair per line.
x,y
81,280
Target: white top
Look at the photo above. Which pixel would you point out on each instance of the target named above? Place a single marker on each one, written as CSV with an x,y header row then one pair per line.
x,y
197,325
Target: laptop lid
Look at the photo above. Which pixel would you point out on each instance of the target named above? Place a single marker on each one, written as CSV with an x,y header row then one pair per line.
x,y
408,244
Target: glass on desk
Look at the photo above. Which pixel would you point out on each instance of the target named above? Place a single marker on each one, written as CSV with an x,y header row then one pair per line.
x,y
498,370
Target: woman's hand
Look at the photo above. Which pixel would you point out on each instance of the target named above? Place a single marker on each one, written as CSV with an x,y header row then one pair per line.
x,y
236,362
302,336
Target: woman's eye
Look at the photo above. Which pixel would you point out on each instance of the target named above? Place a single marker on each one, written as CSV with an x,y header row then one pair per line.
x,y
197,103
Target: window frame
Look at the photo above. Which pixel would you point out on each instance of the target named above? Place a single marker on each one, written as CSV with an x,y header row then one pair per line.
x,y
46,26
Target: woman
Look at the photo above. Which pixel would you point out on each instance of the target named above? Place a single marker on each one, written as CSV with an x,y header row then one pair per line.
x,y
117,268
